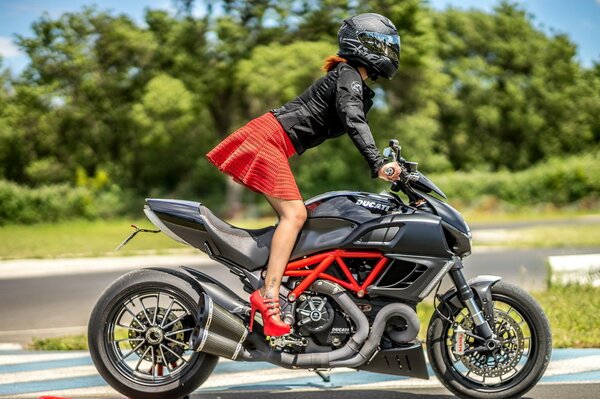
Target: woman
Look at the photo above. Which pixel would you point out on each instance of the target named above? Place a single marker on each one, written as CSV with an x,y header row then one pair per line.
x,y
256,155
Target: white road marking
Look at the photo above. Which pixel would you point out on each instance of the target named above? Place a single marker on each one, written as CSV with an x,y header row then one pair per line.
x,y
39,331
40,375
9,346
573,366
33,357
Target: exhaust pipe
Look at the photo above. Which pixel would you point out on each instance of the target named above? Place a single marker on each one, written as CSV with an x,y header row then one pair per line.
x,y
370,346
217,331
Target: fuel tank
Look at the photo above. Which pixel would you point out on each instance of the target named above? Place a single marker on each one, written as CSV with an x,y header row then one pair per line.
x,y
355,206
383,221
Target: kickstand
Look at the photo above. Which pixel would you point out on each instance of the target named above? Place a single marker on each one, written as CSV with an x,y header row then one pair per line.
x,y
324,377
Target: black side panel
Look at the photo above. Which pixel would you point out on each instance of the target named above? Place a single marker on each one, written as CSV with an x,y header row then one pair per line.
x,y
321,234
418,234
414,286
408,361
194,234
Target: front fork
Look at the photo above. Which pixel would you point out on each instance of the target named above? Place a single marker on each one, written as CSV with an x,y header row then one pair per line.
x,y
482,318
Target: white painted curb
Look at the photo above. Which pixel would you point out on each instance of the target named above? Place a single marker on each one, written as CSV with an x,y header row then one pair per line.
x,y
575,269
30,268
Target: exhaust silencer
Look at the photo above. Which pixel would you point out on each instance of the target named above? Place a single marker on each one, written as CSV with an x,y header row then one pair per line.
x,y
217,332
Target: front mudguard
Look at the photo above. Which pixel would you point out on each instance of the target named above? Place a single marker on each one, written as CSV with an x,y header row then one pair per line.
x,y
482,287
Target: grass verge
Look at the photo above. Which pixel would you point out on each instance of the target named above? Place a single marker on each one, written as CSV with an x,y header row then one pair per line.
x,y
84,238
572,311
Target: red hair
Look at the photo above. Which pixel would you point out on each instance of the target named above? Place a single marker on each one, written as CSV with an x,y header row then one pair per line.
x,y
331,62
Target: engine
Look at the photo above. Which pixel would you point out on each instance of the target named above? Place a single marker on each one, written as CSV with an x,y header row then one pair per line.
x,y
319,318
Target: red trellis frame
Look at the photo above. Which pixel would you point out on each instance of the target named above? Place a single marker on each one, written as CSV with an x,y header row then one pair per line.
x,y
321,262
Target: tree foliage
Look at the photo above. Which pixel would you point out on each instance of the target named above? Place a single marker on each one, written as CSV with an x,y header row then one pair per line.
x,y
142,103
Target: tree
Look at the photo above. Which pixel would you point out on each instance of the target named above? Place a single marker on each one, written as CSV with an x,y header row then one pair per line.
x,y
516,93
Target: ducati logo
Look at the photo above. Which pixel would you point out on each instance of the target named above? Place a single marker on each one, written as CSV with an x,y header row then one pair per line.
x,y
356,87
373,205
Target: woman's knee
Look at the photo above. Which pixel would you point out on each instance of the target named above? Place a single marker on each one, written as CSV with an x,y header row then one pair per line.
x,y
295,216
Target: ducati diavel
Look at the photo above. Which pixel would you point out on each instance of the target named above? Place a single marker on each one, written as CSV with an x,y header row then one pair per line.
x,y
359,268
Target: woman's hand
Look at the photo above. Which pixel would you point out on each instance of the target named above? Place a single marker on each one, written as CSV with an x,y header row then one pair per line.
x,y
390,167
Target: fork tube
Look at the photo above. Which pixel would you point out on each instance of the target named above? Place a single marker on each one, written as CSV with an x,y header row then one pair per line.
x,y
465,294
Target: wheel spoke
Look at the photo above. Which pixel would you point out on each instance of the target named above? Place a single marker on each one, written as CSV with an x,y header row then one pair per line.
x,y
153,363
156,308
176,320
173,352
130,352
177,342
143,308
135,317
130,328
166,316
178,331
137,366
164,359
128,339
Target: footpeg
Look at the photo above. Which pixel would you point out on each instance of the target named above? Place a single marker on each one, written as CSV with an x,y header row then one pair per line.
x,y
287,340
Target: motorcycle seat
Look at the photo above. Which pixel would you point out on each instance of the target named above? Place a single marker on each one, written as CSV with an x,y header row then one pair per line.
x,y
249,248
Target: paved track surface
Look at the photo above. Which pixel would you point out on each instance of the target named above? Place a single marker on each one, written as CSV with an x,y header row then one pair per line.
x,y
25,374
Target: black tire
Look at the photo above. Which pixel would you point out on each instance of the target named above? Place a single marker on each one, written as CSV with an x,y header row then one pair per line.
x,y
174,284
523,380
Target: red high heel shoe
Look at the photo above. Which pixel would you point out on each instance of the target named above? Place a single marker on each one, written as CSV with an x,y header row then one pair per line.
x,y
268,307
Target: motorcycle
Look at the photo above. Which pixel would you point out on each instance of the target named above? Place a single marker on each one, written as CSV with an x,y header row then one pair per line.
x,y
359,268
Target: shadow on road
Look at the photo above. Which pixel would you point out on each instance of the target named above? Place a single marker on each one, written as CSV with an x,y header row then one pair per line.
x,y
326,394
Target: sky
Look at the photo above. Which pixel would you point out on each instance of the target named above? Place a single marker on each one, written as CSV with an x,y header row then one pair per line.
x,y
579,19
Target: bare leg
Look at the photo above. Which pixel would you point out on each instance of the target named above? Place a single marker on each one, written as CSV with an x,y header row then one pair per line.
x,y
292,215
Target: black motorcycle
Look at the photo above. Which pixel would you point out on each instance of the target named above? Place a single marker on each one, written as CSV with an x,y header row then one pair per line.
x,y
359,268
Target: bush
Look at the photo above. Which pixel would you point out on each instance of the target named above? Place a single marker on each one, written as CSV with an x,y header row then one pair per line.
x,y
558,181
51,203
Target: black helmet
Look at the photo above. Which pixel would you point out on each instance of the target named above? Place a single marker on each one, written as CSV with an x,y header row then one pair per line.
x,y
370,40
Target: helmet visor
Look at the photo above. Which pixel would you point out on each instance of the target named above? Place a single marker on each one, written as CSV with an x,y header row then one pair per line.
x,y
379,43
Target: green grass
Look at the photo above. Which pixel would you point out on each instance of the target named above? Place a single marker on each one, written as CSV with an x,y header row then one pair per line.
x,y
572,311
84,238
585,235
67,343
549,236
495,214
574,315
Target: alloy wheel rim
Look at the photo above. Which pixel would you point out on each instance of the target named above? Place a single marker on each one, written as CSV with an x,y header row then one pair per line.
x,y
147,337
508,362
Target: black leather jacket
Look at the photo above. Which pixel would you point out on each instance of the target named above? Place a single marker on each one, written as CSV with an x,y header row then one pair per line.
x,y
332,105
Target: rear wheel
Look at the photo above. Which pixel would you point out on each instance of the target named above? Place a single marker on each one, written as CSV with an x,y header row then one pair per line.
x,y
138,334
510,366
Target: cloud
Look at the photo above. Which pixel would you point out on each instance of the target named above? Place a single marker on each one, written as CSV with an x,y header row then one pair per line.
x,y
8,48
598,1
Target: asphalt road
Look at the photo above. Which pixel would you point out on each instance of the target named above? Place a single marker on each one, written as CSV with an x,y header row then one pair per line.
x,y
61,304
549,391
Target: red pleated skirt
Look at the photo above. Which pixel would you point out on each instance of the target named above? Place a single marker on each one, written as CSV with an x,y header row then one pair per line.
x,y
256,155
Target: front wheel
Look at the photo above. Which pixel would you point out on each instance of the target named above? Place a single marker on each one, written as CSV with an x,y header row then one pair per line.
x,y
138,334
514,365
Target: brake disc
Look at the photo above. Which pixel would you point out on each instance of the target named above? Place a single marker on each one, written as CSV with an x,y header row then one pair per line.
x,y
501,360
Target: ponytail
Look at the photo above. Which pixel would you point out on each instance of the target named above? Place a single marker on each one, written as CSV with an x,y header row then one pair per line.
x,y
331,62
